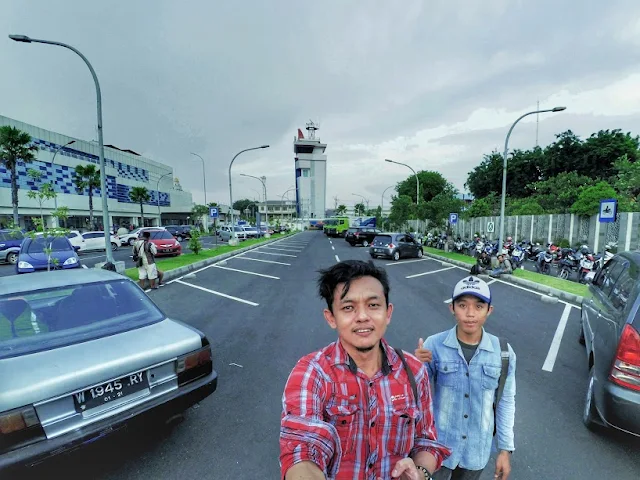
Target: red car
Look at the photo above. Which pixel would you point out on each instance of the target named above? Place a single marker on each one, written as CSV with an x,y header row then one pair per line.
x,y
165,243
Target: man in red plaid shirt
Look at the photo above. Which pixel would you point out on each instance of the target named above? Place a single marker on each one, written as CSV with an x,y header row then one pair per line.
x,y
349,410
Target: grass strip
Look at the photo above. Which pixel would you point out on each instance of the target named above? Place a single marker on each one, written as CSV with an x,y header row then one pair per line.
x,y
171,263
452,255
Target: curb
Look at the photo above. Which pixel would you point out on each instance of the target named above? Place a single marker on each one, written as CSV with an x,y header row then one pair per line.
x,y
182,271
542,289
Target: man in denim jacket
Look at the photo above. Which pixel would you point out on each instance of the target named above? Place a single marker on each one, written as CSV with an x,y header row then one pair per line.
x,y
464,366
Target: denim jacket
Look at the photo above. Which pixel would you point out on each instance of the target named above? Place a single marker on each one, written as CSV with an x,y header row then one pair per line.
x,y
464,396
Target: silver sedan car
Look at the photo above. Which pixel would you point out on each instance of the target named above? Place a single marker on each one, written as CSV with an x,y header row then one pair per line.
x,y
84,353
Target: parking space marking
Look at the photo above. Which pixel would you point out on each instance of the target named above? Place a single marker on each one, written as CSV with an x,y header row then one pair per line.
x,y
246,271
220,294
84,266
283,249
273,253
337,259
429,273
243,257
332,247
407,261
537,293
557,339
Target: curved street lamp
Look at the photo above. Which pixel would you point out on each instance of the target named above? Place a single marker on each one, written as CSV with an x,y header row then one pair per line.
x,y
414,173
504,168
55,199
158,197
262,180
204,177
103,173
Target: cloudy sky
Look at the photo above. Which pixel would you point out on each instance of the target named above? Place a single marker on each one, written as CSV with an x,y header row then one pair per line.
x,y
431,83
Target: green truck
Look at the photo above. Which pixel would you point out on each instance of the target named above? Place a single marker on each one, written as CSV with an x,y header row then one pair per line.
x,y
336,226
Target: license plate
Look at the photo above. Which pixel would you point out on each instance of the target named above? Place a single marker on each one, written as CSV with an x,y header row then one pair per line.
x,y
166,250
110,391
379,250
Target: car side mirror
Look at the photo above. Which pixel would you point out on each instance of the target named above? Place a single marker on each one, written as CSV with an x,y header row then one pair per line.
x,y
76,248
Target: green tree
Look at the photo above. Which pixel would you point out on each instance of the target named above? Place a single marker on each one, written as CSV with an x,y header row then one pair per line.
x,y
14,148
431,183
140,195
402,207
483,207
359,208
602,149
524,206
438,209
557,194
242,204
44,193
87,177
199,211
588,202
565,154
486,178
212,204
341,210
627,179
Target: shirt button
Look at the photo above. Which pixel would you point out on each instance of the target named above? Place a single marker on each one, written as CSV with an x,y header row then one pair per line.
x,y
466,416
467,374
371,384
466,395
464,437
371,465
373,424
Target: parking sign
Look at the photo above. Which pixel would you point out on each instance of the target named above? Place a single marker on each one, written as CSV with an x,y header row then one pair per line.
x,y
453,218
608,210
213,212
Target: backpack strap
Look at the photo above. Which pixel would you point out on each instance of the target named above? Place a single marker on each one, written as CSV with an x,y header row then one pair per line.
x,y
504,370
412,378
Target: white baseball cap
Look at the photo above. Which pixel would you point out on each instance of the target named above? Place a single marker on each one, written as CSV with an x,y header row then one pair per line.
x,y
472,286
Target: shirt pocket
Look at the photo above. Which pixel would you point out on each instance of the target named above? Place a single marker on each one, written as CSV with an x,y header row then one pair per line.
x,y
344,413
447,374
400,428
490,377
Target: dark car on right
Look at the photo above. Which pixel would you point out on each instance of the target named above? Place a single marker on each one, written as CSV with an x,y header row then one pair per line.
x,y
361,236
180,232
610,330
395,246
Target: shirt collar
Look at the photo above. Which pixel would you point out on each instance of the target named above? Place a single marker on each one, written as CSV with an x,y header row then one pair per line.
x,y
390,358
452,340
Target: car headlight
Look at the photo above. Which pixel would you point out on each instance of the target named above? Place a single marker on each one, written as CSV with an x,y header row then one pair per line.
x,y
70,261
24,265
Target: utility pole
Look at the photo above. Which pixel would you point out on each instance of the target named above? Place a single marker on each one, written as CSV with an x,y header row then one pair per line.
x,y
335,202
537,122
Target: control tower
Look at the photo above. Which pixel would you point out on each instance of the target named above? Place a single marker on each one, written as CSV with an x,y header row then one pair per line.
x,y
311,174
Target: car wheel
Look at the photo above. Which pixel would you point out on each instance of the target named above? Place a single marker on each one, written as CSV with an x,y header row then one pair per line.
x,y
114,246
179,238
12,258
396,256
590,416
420,253
365,244
131,242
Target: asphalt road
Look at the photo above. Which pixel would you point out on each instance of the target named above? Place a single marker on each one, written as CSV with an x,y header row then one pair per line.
x,y
271,317
122,254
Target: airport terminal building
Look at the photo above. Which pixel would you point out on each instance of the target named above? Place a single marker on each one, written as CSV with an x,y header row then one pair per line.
x,y
125,169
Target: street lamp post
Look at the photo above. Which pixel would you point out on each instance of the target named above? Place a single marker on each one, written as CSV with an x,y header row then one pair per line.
x,y
263,181
286,193
55,199
103,173
204,177
158,197
414,173
363,199
382,199
232,238
504,168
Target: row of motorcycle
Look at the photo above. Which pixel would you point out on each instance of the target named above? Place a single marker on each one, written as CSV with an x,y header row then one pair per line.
x,y
579,263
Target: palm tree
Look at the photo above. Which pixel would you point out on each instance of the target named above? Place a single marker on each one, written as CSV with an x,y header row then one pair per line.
x,y
14,148
341,210
140,195
88,176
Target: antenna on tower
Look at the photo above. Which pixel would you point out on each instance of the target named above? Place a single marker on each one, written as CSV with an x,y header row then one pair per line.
x,y
311,128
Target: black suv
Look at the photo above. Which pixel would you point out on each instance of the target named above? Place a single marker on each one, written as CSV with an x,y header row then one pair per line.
x,y
361,236
396,246
611,333
180,232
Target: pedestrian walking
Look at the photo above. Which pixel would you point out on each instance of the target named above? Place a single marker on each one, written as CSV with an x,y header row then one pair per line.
x,y
144,253
358,408
474,377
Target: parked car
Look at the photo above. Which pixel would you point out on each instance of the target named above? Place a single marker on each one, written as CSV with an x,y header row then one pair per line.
x,y
225,233
361,236
131,237
95,354
179,232
33,255
10,242
165,243
395,246
95,241
76,239
611,334
251,232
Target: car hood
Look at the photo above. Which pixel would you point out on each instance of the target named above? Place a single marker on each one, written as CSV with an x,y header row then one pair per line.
x,y
51,373
41,258
168,241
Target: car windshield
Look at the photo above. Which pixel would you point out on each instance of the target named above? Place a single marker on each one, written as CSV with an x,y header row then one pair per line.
x,y
56,244
50,318
331,222
382,240
239,229
353,230
161,235
9,235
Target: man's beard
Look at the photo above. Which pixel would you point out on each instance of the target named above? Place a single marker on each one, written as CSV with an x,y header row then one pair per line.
x,y
365,349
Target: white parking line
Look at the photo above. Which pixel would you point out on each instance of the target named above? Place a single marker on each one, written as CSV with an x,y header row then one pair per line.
x,y
260,260
429,273
84,266
283,249
220,294
337,259
332,247
537,293
82,257
557,339
247,272
408,261
273,253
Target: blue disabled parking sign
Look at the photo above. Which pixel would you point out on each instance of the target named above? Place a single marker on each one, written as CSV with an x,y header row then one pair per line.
x,y
453,218
213,212
608,210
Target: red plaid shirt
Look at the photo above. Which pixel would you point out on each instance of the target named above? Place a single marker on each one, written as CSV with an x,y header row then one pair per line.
x,y
352,426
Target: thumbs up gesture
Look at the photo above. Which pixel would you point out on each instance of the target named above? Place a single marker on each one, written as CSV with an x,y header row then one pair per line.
x,y
422,353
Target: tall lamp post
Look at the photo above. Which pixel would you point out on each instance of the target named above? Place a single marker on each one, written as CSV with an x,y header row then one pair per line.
x,y
158,197
504,167
204,177
263,181
233,232
382,198
363,199
55,199
103,173
286,193
414,173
